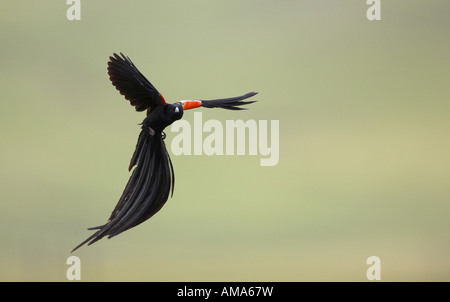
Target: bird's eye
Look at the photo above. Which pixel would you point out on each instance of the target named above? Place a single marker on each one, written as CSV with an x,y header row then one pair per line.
x,y
177,109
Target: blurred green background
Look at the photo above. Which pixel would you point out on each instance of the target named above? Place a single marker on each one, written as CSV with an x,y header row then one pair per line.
x,y
364,140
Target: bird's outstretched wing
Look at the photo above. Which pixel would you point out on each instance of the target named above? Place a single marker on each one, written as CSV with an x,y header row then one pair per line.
x,y
130,82
146,191
229,103
233,103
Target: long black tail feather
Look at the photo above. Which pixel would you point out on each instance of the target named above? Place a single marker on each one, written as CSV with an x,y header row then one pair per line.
x,y
146,192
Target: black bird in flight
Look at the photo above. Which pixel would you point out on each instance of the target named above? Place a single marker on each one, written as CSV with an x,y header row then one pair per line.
x,y
153,178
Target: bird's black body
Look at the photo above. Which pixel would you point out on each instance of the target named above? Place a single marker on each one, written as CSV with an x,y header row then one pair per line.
x,y
152,180
161,117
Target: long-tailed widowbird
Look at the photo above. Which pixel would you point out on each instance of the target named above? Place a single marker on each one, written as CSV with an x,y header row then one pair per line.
x,y
152,179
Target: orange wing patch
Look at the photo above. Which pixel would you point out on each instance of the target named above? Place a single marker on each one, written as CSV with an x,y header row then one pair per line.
x,y
191,104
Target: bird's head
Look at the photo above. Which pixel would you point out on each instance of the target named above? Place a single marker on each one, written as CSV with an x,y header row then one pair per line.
x,y
173,111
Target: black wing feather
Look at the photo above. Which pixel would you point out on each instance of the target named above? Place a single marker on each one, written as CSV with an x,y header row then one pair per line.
x,y
147,189
229,103
132,84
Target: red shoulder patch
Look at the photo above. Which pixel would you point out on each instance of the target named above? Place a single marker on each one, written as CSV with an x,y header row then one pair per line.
x,y
162,99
